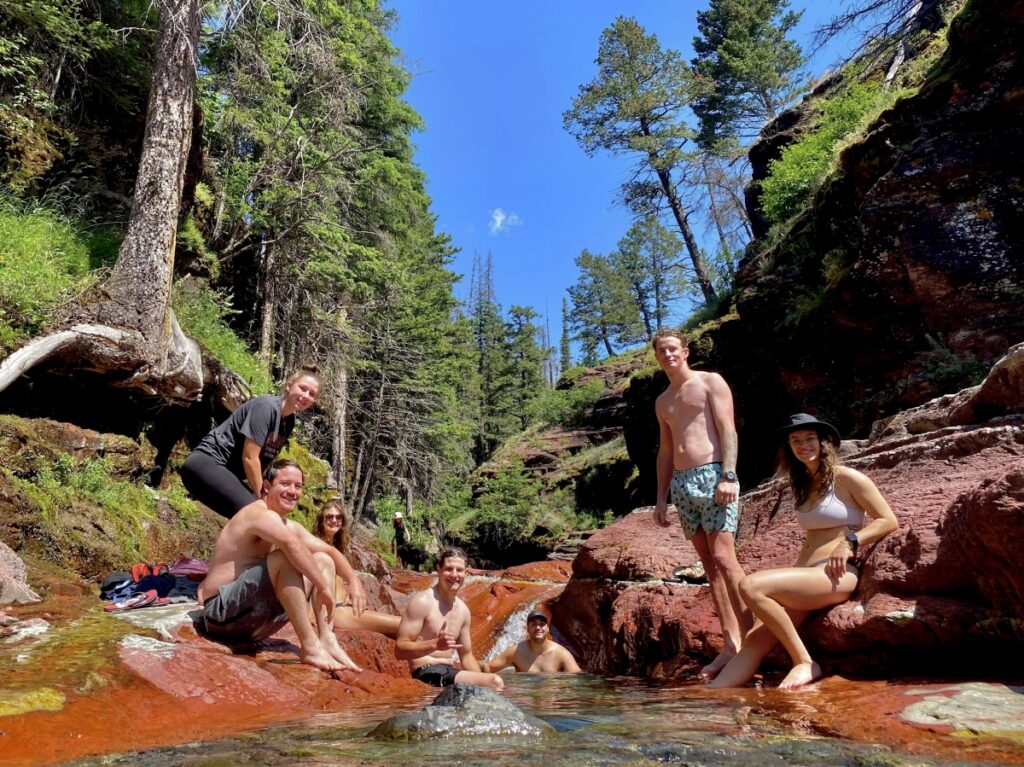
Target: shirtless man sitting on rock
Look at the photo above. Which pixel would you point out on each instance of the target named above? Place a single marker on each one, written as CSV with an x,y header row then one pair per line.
x,y
539,654
267,571
435,623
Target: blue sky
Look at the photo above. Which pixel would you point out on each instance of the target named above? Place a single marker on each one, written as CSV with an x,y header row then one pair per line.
x,y
491,81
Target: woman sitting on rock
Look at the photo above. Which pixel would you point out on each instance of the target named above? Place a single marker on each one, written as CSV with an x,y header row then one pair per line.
x,y
225,471
831,501
332,526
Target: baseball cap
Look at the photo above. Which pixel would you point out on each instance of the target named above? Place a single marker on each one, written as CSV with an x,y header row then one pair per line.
x,y
536,615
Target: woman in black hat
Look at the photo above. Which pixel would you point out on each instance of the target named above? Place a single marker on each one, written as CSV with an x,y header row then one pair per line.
x,y
831,503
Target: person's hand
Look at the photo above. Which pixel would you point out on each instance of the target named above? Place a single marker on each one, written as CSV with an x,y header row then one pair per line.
x,y
661,514
835,568
727,492
356,596
446,640
325,599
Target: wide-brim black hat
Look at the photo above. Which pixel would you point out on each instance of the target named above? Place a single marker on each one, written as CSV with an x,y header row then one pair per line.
x,y
799,421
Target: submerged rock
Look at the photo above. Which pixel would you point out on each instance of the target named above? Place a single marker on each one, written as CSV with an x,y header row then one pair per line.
x,y
970,709
462,711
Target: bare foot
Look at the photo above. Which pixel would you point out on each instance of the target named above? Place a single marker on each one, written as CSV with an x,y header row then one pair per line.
x,y
336,651
801,674
318,657
711,670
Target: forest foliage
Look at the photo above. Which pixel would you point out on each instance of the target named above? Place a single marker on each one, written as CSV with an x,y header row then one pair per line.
x,y
306,232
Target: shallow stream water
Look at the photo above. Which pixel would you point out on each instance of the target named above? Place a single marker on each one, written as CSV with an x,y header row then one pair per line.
x,y
597,721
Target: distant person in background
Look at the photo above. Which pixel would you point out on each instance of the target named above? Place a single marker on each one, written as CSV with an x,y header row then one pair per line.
x,y
831,503
697,465
225,471
401,539
332,526
538,654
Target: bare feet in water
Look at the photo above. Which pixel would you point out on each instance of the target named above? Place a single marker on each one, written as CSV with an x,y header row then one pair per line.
x,y
711,670
801,674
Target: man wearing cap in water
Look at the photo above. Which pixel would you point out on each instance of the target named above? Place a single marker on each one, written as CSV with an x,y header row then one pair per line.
x,y
539,654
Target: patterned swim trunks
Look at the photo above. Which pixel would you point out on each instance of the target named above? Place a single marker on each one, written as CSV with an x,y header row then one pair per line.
x,y
693,494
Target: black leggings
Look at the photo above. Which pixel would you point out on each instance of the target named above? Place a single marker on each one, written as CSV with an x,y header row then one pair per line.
x,y
213,485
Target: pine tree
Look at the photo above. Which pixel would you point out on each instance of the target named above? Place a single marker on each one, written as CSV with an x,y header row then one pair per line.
x,y
525,361
635,105
564,350
744,52
602,311
647,261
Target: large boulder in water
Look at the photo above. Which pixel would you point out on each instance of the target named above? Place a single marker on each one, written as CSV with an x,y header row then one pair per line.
x,y
462,711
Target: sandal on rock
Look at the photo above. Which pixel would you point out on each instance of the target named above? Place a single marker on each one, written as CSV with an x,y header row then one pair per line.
x,y
689,574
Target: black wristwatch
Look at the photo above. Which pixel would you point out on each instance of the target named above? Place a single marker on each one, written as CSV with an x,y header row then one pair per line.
x,y
729,476
851,538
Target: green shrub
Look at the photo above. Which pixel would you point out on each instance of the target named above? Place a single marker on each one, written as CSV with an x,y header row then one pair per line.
x,y
55,490
565,407
45,259
203,315
795,177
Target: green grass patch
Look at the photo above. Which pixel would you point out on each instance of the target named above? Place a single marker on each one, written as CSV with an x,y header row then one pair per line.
x,y
565,407
71,486
203,314
46,258
804,165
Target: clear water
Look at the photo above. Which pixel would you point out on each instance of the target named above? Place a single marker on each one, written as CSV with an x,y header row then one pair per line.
x,y
597,721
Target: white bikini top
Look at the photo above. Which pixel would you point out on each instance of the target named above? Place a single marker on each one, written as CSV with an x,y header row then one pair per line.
x,y
830,511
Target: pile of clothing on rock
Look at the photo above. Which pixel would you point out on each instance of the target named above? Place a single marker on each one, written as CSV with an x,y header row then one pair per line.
x,y
152,585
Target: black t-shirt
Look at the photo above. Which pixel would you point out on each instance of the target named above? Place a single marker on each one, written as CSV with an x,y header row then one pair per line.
x,y
260,420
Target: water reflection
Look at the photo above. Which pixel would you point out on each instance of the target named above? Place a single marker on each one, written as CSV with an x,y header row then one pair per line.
x,y
614,722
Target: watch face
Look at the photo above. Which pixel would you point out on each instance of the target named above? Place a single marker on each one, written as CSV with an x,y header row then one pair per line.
x,y
730,475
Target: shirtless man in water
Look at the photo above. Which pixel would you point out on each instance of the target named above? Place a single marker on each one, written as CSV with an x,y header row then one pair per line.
x,y
539,654
697,464
435,623
267,570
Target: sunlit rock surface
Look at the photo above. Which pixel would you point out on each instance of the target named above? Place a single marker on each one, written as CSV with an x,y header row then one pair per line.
x,y
14,578
462,711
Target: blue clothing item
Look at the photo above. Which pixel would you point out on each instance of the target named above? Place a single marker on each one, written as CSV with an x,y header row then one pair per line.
x,y
693,494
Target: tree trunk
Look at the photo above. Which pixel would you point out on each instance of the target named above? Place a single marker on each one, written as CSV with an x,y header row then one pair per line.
x,y
683,222
269,311
339,444
131,329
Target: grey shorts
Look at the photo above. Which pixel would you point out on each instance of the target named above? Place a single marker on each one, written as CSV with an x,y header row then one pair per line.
x,y
436,674
245,610
693,494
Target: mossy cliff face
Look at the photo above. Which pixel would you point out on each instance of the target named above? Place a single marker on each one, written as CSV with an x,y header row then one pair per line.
x,y
74,498
905,279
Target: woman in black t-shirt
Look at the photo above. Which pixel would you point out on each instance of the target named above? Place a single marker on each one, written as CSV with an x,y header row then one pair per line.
x,y
241,449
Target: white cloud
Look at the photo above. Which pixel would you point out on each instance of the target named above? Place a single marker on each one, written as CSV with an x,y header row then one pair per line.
x,y
502,221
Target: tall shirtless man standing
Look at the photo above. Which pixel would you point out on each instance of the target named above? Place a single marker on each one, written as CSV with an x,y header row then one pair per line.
x,y
267,570
435,623
697,464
